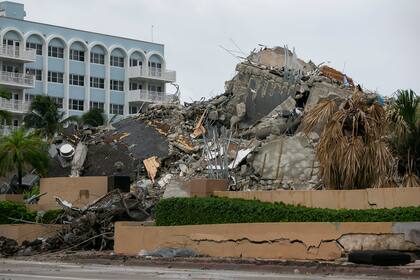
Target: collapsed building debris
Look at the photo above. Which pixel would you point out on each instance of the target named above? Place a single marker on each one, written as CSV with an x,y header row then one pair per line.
x,y
90,227
251,134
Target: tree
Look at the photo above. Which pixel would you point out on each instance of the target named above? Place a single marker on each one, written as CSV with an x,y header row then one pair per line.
x,y
44,116
404,118
94,117
5,117
21,151
352,151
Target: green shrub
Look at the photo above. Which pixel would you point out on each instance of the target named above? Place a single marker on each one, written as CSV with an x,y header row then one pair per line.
x,y
18,210
14,210
212,210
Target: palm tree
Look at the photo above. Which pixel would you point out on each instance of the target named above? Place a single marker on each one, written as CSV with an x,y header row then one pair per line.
x,y
94,117
5,117
352,150
404,118
21,151
44,116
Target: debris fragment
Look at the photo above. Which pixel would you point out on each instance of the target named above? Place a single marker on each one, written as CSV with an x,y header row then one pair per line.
x,y
151,164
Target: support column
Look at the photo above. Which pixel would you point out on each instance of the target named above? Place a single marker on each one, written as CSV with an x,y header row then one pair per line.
x,y
87,81
66,81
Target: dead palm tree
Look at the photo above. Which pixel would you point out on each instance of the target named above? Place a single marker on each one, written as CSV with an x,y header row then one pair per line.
x,y
352,150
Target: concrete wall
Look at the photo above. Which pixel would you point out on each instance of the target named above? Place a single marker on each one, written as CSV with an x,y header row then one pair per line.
x,y
77,190
11,197
301,241
22,232
335,199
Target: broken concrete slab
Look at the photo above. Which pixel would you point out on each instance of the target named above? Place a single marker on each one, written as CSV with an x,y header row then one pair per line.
x,y
287,159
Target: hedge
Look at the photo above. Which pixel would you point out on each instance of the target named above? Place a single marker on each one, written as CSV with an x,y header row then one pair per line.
x,y
18,210
219,210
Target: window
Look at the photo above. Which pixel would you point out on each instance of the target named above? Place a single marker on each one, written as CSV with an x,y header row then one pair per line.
x,y
55,52
116,109
35,46
117,85
58,101
117,61
135,86
96,82
77,55
76,80
36,72
29,97
135,62
98,105
55,77
155,88
15,123
134,109
75,104
97,58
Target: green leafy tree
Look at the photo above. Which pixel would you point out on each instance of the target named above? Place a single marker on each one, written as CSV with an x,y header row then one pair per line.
x,y
22,151
5,117
44,116
94,117
404,118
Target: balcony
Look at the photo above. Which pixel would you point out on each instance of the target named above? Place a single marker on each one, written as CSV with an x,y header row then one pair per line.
x,y
17,80
149,96
152,73
17,54
14,106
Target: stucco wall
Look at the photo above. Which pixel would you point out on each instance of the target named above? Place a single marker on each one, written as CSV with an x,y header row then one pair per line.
x,y
22,232
304,241
335,199
77,190
11,197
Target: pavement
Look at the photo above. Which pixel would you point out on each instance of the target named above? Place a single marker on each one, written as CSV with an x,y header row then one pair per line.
x,y
30,270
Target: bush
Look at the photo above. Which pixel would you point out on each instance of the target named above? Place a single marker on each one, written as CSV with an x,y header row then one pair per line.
x,y
212,210
17,210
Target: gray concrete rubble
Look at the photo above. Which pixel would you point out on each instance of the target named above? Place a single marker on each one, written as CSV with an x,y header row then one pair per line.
x,y
249,135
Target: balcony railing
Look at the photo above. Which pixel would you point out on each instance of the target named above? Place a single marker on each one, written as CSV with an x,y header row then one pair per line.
x,y
17,79
150,96
14,106
17,53
152,72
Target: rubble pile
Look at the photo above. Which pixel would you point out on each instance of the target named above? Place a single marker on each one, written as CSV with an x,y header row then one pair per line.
x,y
251,134
90,227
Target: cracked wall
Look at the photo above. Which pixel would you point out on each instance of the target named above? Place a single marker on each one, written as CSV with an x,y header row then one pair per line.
x,y
323,241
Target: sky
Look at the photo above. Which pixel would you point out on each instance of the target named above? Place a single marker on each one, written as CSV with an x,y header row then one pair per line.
x,y
376,42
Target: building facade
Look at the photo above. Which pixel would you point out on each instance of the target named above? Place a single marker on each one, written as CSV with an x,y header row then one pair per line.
x,y
78,69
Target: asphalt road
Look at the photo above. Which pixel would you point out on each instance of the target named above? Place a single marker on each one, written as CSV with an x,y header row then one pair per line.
x,y
28,270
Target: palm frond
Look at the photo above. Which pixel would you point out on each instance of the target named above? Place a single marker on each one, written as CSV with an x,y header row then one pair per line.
x,y
322,112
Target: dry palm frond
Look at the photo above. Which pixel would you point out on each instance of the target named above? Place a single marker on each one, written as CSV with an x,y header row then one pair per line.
x,y
399,125
322,112
352,161
411,180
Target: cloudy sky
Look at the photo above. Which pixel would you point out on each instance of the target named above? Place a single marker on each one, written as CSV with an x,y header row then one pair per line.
x,y
376,42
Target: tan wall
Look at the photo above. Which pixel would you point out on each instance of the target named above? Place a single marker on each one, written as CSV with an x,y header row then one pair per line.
x,y
22,232
335,199
12,197
308,241
203,187
77,190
